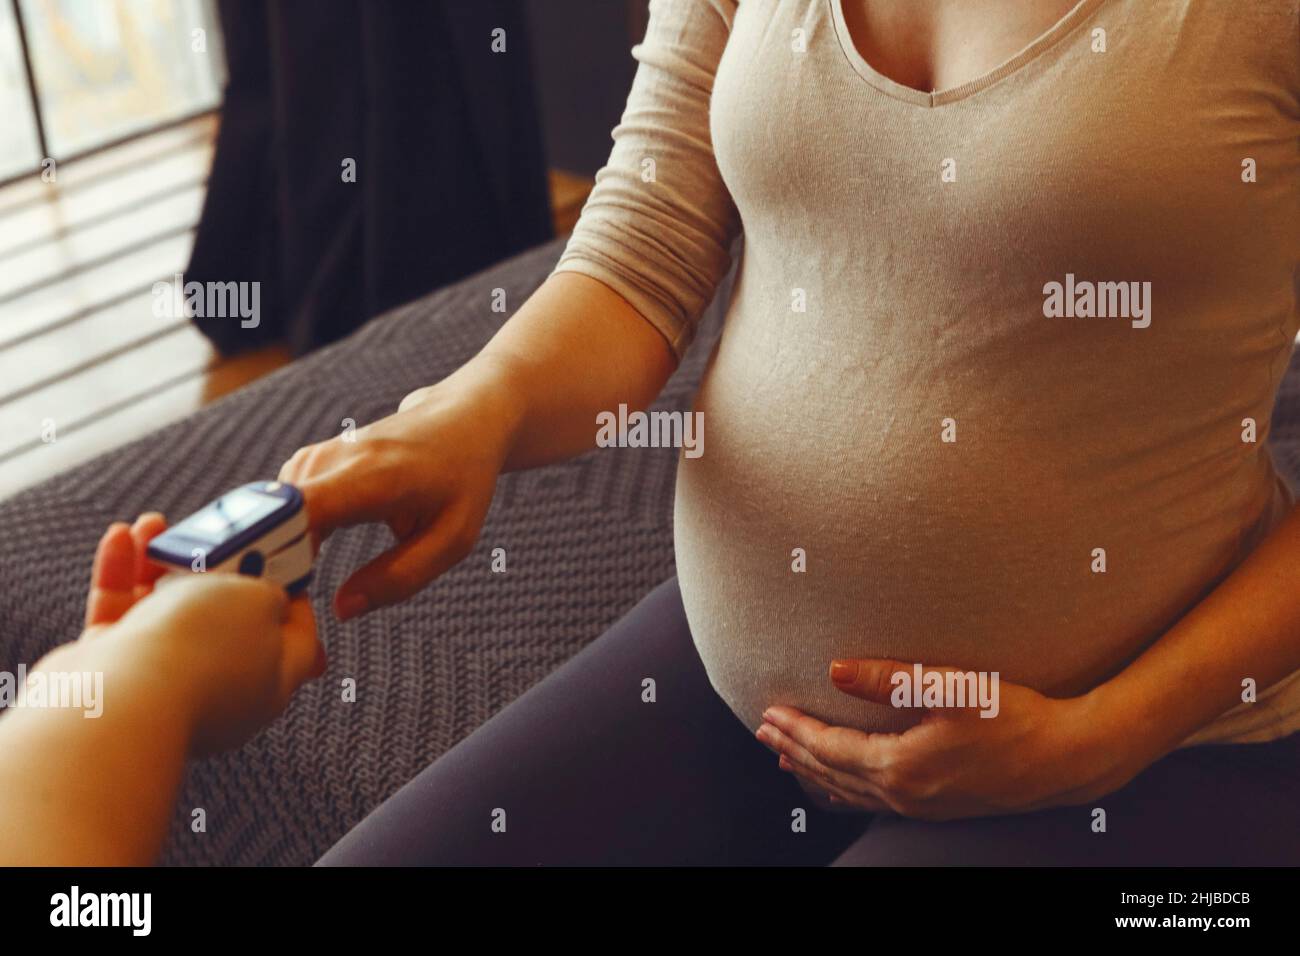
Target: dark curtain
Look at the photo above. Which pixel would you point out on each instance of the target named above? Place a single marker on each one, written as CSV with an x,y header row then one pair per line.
x,y
450,172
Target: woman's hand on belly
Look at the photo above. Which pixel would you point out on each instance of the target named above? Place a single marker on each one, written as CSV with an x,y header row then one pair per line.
x,y
1029,752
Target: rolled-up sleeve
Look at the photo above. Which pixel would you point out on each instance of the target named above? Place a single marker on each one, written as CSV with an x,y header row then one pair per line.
x,y
658,226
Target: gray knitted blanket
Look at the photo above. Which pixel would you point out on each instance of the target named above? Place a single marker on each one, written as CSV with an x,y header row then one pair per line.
x,y
584,541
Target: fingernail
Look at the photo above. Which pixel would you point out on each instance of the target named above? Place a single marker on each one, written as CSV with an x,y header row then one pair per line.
x,y
767,715
844,672
784,762
350,604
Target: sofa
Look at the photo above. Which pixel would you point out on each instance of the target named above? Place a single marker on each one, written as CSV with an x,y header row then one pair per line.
x,y
584,541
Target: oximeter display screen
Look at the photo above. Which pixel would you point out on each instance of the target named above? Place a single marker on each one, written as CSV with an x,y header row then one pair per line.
x,y
228,514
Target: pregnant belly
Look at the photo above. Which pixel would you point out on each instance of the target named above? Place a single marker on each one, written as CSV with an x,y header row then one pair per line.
x,y
815,527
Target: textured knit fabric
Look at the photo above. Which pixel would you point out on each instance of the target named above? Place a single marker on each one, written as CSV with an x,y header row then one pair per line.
x,y
584,542
976,473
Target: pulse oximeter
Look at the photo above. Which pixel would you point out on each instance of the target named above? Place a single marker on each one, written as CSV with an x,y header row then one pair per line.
x,y
259,530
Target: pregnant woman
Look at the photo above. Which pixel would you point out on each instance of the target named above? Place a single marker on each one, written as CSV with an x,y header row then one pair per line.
x,y
1018,287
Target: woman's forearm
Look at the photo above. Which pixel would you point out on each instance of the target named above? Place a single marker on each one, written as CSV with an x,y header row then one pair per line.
x,y
573,350
1248,627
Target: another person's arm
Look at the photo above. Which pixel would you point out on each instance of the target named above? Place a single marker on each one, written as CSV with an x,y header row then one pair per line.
x,y
197,666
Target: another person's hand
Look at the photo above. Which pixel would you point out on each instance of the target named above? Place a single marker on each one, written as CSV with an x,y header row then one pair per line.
x,y
166,669
428,472
228,650
1036,752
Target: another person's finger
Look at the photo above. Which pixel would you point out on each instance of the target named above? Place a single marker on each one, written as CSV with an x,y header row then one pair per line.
x,y
147,527
112,578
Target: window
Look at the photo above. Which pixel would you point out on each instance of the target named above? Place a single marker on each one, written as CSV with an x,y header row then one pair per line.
x,y
20,148
96,71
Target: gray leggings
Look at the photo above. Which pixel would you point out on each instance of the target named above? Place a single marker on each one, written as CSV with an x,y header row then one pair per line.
x,y
580,770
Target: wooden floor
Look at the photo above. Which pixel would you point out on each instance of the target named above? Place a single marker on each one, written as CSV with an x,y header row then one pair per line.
x,y
80,348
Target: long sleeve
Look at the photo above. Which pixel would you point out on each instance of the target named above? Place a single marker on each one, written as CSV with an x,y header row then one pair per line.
x,y
658,226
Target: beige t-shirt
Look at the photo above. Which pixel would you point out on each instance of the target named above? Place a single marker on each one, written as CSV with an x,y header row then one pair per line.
x,y
944,379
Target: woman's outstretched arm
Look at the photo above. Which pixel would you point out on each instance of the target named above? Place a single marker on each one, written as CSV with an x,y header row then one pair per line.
x,y
605,329
574,349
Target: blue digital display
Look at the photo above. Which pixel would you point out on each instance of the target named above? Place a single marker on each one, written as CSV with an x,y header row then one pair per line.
x,y
228,515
